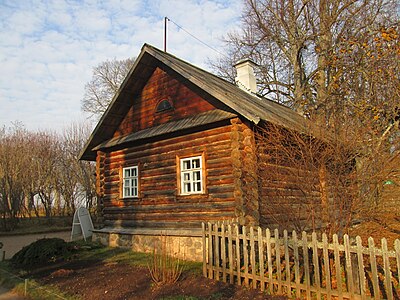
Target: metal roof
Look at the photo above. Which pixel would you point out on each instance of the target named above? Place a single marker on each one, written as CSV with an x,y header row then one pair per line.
x,y
225,95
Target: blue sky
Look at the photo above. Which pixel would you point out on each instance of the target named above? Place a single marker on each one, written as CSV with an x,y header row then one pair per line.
x,y
48,48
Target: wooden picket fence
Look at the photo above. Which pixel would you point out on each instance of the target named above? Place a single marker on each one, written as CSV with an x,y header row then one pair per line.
x,y
301,267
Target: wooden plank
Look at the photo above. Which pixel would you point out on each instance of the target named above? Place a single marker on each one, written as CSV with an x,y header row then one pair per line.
x,y
204,239
223,252
261,258
296,264
397,251
253,258
349,270
216,251
269,258
374,270
245,256
316,272
306,264
239,275
338,270
278,261
230,253
386,268
361,272
327,270
210,252
287,262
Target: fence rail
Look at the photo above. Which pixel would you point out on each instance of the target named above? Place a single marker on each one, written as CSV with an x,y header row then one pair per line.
x,y
301,266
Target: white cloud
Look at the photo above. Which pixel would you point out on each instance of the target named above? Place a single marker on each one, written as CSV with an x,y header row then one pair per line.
x,y
48,48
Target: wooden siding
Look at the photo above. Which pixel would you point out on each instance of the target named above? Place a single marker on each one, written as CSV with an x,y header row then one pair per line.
x,y
161,86
159,203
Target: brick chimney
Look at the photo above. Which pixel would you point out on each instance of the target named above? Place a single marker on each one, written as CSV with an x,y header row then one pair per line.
x,y
245,77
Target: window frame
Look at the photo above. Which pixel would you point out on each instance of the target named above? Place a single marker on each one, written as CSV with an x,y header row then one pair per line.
x,y
191,171
131,179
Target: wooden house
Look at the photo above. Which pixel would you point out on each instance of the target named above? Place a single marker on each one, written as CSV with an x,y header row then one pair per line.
x,y
176,147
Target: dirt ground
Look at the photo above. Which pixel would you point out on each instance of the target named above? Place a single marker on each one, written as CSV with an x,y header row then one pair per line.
x,y
98,280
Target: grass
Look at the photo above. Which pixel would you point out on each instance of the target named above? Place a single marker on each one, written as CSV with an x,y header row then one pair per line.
x,y
14,279
40,225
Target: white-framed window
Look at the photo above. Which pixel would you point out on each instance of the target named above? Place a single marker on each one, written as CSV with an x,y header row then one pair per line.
x,y
130,182
191,175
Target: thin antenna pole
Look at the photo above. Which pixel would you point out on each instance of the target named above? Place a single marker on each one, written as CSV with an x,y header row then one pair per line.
x,y
165,33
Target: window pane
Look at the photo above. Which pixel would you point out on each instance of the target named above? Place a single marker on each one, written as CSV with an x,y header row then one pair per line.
x,y
186,176
196,163
186,165
187,188
196,175
197,187
127,173
127,192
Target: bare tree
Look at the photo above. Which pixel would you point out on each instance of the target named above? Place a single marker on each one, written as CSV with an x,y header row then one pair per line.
x,y
78,184
338,63
106,80
293,41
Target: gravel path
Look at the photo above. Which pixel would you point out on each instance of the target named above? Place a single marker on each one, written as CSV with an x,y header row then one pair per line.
x,y
12,244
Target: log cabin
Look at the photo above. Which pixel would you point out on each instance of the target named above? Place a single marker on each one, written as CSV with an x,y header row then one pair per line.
x,y
177,147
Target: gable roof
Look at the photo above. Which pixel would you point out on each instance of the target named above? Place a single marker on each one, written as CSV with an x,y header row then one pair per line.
x,y
245,104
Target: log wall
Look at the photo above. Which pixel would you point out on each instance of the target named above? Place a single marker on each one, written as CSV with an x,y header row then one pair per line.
x,y
161,86
159,203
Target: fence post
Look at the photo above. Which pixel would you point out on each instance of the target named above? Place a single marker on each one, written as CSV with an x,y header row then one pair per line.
x,y
203,232
26,287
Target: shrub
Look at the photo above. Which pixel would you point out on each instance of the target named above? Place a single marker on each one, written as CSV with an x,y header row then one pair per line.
x,y
163,267
42,251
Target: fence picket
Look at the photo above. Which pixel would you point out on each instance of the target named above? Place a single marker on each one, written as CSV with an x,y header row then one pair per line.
x,y
397,249
306,264
245,256
230,253
361,273
205,248
316,269
216,252
325,251
253,258
223,252
374,270
210,252
386,268
296,263
261,257
349,270
337,266
269,258
258,261
278,261
287,262
239,275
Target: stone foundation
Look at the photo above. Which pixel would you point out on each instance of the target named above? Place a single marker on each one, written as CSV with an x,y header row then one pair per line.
x,y
182,244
